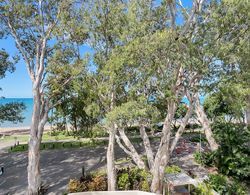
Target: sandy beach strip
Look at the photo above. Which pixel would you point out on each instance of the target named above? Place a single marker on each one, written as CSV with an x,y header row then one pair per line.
x,y
19,130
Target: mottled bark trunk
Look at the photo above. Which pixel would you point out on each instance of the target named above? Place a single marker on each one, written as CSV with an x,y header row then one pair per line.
x,y
34,177
162,155
148,148
39,119
181,127
202,117
111,172
134,154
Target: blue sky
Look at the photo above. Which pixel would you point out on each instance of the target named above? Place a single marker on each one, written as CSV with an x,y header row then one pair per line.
x,y
15,84
18,84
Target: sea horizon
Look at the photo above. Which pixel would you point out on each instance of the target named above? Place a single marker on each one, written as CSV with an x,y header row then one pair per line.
x,y
27,113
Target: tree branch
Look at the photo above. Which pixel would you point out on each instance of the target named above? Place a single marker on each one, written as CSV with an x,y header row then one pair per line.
x,y
21,49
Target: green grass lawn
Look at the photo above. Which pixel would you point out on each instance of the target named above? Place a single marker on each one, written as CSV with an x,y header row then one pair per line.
x,y
61,145
46,137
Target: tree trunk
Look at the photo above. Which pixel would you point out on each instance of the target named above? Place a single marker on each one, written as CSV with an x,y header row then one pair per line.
x,y
148,148
162,155
111,172
34,177
134,154
182,127
202,117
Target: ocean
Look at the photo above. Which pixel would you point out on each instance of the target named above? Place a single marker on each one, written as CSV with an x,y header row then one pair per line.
x,y
27,113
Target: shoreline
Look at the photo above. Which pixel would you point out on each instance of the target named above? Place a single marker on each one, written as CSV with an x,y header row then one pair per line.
x,y
19,130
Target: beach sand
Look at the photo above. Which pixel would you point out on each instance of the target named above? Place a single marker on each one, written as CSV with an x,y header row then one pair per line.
x,y
19,130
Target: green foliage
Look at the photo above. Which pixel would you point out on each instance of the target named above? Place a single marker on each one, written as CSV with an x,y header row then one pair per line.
x,y
206,158
123,181
198,138
203,189
61,145
6,64
12,112
232,157
233,153
172,169
132,112
227,102
223,185
218,182
133,179
127,179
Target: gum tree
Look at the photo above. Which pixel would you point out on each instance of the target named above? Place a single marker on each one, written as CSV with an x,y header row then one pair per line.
x,y
105,23
161,65
31,25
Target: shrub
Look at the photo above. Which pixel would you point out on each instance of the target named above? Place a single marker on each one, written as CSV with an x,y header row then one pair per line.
x,y
206,158
172,169
75,186
127,179
123,182
198,138
98,183
133,179
202,189
233,153
223,185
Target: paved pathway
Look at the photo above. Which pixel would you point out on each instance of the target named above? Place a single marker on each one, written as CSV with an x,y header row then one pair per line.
x,y
57,167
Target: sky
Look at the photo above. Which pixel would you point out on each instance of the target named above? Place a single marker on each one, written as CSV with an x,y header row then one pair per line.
x,y
18,84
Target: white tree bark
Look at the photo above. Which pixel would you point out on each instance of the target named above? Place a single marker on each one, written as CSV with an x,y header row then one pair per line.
x,y
162,155
111,172
182,127
148,148
202,117
134,154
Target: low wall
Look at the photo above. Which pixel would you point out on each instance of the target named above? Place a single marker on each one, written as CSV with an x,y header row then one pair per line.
x,y
114,193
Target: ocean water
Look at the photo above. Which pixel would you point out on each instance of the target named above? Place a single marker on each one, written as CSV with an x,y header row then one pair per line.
x,y
27,113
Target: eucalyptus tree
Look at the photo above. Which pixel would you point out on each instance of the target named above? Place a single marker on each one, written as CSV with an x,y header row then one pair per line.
x,y
227,33
106,20
32,24
160,64
223,37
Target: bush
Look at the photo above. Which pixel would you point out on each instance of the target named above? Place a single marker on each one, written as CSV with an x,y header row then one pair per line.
x,y
133,179
205,158
197,138
202,189
75,186
233,154
172,169
98,183
127,179
223,185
